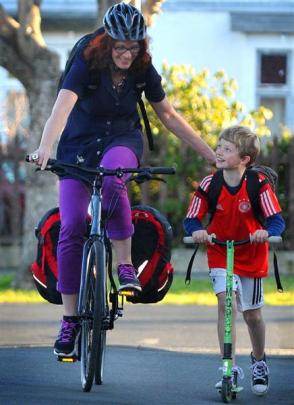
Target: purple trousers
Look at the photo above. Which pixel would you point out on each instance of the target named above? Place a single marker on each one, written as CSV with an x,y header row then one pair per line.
x,y
74,198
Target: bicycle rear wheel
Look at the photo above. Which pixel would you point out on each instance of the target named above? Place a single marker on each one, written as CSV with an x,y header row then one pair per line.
x,y
93,312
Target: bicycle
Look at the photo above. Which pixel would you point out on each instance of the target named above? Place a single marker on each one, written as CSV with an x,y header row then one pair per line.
x,y
230,388
98,304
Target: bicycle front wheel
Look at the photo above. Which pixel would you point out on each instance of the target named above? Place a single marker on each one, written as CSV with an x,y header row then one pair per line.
x,y
93,311
104,310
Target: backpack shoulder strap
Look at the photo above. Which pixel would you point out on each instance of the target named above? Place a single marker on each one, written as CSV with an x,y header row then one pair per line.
x,y
146,123
140,84
254,185
253,188
212,197
214,190
78,47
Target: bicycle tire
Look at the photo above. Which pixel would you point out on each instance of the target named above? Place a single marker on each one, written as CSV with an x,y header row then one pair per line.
x,y
104,310
92,309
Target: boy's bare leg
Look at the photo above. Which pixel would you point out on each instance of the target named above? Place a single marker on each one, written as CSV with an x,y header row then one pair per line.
x,y
256,329
260,371
221,298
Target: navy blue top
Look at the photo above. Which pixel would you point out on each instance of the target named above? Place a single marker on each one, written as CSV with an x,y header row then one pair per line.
x,y
103,118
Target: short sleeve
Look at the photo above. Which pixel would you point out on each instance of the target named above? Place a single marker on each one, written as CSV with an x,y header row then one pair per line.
x,y
153,91
268,201
77,77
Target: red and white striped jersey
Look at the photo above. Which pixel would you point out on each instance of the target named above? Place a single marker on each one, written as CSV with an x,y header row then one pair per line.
x,y
234,220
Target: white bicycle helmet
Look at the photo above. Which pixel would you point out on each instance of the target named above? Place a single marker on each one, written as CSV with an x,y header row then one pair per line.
x,y
124,22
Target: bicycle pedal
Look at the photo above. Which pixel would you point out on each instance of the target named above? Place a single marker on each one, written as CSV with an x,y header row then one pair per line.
x,y
71,359
127,293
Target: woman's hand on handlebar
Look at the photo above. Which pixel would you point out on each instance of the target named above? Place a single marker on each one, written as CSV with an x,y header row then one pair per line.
x,y
202,236
259,236
40,157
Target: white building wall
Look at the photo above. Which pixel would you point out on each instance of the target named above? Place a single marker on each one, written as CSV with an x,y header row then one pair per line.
x,y
205,40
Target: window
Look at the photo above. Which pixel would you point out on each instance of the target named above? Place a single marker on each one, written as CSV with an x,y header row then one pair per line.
x,y
273,69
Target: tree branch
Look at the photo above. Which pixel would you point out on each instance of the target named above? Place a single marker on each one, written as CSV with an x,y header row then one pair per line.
x,y
8,27
29,18
17,44
20,70
150,8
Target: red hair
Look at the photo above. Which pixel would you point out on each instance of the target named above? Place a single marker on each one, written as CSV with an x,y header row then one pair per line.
x,y
98,54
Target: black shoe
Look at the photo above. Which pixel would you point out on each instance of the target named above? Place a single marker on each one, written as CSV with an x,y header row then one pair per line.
x,y
260,376
65,344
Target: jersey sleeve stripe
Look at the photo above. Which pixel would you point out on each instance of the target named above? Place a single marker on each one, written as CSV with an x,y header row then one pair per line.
x,y
194,207
205,183
267,204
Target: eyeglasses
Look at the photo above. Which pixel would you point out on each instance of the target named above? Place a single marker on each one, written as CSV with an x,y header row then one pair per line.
x,y
123,49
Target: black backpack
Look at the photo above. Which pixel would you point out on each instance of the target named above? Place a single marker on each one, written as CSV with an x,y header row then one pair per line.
x,y
140,84
151,249
253,189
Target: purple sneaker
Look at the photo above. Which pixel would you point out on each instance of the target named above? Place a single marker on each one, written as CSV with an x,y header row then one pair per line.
x,y
127,275
67,339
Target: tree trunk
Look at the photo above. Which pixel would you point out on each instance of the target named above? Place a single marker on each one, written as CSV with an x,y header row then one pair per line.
x,y
24,54
41,190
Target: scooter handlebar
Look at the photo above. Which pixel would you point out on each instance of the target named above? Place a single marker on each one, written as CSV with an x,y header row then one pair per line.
x,y
273,240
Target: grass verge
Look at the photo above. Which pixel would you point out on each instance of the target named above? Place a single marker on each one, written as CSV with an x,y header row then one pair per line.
x,y
199,292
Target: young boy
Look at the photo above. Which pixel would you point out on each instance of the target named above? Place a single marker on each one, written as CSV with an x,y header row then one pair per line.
x,y
238,148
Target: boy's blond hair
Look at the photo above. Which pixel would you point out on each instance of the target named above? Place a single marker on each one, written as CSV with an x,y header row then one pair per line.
x,y
246,141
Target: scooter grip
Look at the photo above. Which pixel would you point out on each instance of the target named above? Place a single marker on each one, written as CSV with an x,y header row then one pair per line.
x,y
189,239
275,239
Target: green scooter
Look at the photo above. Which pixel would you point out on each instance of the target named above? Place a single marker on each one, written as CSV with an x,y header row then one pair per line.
x,y
230,388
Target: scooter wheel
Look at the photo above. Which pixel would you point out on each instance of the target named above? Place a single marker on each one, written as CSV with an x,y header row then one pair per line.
x,y
226,391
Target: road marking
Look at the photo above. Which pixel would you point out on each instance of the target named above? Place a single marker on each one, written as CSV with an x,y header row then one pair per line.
x,y
149,341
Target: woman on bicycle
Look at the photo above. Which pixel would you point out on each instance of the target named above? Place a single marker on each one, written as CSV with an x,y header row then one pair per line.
x,y
103,128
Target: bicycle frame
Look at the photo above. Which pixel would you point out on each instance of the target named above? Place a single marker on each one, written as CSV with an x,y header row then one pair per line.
x,y
97,233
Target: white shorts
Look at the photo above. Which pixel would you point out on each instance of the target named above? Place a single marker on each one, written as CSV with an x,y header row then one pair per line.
x,y
249,291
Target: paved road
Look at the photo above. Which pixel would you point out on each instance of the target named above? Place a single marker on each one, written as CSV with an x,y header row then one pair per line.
x,y
156,354
182,328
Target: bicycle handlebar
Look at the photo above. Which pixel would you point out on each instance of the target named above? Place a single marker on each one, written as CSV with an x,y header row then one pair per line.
x,y
55,165
272,240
